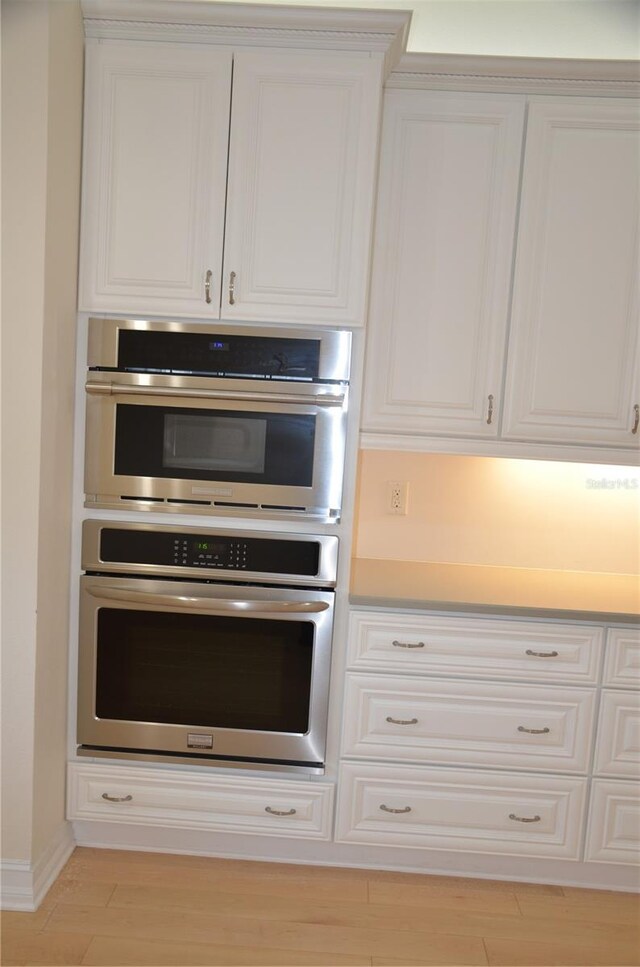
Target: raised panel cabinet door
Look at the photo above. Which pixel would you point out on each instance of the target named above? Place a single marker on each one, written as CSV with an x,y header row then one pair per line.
x,y
572,372
156,131
444,238
302,164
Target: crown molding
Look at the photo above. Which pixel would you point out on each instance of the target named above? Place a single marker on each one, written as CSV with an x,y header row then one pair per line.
x,y
237,24
516,75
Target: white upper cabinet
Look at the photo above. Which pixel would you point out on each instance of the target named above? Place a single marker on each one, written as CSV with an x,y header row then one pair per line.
x,y
573,355
155,164
301,162
302,168
450,166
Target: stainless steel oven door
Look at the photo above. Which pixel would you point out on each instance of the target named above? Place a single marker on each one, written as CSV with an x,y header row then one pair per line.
x,y
172,441
196,670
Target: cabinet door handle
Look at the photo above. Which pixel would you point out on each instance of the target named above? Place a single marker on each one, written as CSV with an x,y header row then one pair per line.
x,y
490,410
279,812
525,819
389,809
207,287
542,654
105,795
636,418
408,644
232,289
544,731
402,721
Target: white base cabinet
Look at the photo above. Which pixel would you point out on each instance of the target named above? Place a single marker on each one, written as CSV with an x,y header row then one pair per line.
x,y
614,823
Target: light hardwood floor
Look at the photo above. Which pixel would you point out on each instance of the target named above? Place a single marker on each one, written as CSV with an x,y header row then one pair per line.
x,y
111,907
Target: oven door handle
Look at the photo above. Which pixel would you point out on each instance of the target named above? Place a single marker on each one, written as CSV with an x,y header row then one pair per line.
x,y
212,604
116,389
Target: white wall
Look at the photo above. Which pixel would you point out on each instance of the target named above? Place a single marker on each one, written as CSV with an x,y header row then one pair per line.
x,y
41,116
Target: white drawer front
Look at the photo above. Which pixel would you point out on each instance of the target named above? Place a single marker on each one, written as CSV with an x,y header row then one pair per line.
x,y
159,797
622,661
475,647
460,810
618,744
613,834
466,723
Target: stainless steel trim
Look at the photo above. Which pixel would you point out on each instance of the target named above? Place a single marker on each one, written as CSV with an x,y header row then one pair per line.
x,y
525,819
105,795
401,721
87,753
388,809
544,731
407,644
279,812
335,345
542,654
327,545
208,602
319,396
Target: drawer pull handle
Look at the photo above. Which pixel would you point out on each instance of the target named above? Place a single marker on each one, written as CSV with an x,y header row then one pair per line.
x,y
542,654
525,819
279,812
408,644
402,721
105,795
232,289
544,731
389,809
207,287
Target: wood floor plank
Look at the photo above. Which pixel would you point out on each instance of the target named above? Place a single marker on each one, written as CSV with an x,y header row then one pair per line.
x,y
431,896
85,892
107,951
188,926
612,908
474,884
48,949
29,922
507,953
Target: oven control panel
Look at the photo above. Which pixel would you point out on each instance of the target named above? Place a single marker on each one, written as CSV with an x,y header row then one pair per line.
x,y
174,550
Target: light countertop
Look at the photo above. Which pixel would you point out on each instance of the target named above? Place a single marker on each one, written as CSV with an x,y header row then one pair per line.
x,y
521,592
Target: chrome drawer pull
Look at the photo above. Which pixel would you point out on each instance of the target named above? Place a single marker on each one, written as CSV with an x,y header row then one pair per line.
x,y
402,721
544,731
388,809
525,819
407,644
105,795
232,289
207,287
490,410
542,654
279,812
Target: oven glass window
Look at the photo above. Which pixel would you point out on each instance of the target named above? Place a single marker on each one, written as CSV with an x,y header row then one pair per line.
x,y
204,670
220,445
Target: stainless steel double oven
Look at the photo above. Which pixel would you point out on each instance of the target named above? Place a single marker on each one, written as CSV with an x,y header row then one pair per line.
x,y
198,643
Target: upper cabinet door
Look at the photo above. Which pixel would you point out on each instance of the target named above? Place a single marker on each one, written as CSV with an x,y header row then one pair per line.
x,y
302,166
573,355
156,131
449,175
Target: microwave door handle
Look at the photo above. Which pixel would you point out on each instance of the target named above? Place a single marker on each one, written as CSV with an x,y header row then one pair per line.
x,y
114,389
212,604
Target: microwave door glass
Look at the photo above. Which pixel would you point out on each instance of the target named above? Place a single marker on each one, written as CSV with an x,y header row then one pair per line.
x,y
218,444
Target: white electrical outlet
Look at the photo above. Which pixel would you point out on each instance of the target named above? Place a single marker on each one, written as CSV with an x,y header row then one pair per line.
x,y
397,496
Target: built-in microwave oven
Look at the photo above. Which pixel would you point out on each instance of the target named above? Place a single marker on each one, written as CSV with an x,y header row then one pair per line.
x,y
216,419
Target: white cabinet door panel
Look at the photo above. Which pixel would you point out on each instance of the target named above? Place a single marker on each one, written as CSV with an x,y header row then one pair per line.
x,y
573,352
302,164
613,834
460,810
444,239
618,746
622,661
468,723
156,128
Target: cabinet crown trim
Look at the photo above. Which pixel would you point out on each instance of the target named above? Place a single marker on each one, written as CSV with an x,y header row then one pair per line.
x,y
517,75
379,31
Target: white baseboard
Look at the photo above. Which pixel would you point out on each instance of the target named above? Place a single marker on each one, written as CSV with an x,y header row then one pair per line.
x,y
25,884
